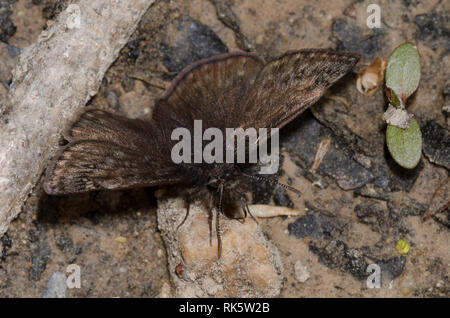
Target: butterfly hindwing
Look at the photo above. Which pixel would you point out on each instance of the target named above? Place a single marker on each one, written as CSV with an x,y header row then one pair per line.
x,y
108,151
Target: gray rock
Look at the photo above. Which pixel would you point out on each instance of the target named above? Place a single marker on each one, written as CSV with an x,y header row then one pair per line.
x,y
301,272
337,255
193,41
281,198
56,286
7,27
5,245
250,266
350,37
301,140
316,224
436,143
433,28
393,267
443,217
40,255
373,214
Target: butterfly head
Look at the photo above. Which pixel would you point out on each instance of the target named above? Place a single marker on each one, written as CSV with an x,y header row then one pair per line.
x,y
223,174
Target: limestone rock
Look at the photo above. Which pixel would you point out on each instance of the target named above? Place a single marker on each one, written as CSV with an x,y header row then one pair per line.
x,y
250,266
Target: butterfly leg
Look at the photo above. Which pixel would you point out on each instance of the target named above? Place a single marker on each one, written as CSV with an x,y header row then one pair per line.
x,y
188,205
242,220
247,209
210,217
244,206
219,211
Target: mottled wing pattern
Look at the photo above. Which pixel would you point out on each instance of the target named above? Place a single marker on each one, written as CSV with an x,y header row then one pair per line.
x,y
108,151
239,90
211,90
291,83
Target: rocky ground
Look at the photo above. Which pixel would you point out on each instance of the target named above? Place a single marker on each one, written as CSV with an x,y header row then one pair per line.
x,y
353,209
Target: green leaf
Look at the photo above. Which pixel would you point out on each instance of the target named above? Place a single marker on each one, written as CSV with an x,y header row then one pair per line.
x,y
405,145
403,71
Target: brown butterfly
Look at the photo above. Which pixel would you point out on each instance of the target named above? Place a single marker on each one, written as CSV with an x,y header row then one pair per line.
x,y
108,151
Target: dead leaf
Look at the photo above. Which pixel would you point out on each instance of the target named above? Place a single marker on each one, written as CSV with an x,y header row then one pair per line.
x,y
370,78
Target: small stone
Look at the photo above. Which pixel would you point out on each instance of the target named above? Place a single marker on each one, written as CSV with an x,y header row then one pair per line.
x,y
392,267
337,164
73,17
211,286
194,41
316,224
7,27
352,38
407,283
436,143
433,28
113,100
301,272
250,266
56,286
13,51
363,160
281,198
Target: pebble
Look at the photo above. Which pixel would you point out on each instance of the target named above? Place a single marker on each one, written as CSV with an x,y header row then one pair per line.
x,y
407,283
250,266
194,41
301,272
56,286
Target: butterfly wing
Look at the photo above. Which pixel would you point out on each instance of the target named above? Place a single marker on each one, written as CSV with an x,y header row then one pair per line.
x,y
211,90
108,151
291,83
240,90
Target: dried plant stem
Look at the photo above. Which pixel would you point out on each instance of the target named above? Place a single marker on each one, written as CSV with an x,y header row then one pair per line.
x,y
54,78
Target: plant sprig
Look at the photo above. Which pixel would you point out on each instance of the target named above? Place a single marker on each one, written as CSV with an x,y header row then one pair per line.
x,y
403,135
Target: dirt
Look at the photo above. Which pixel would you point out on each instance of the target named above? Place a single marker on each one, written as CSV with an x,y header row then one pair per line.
x,y
356,206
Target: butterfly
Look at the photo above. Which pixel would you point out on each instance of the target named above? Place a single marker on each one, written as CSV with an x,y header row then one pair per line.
x,y
235,90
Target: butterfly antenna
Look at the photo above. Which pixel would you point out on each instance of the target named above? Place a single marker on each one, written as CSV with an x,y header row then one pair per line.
x,y
244,205
188,205
275,183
